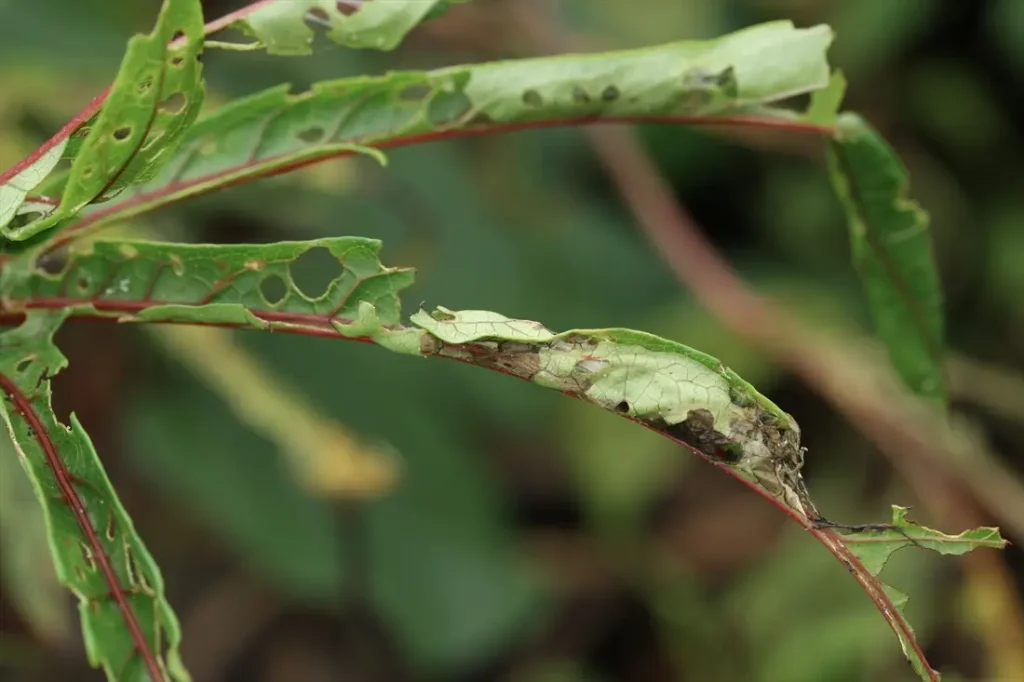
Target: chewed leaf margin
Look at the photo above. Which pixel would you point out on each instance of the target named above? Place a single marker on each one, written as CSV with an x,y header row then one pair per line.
x,y
892,250
275,131
209,284
155,98
288,28
873,545
129,628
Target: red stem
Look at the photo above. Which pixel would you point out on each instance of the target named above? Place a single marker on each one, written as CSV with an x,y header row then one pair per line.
x,y
320,325
67,489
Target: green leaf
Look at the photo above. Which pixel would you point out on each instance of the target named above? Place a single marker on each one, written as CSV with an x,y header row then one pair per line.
x,y
153,101
245,285
272,132
129,628
875,544
825,103
683,393
289,27
892,251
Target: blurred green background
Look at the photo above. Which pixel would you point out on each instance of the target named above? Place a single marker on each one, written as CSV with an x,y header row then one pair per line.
x,y
530,538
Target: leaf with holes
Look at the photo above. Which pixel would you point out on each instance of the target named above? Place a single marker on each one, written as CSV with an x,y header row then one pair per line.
x,y
892,250
130,630
289,27
155,98
273,132
676,390
873,545
233,285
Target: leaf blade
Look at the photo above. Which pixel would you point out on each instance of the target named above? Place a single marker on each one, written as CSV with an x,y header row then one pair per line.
x,y
129,628
154,99
872,547
288,28
272,132
892,251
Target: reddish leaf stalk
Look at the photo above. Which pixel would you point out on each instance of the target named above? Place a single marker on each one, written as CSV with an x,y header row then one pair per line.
x,y
67,489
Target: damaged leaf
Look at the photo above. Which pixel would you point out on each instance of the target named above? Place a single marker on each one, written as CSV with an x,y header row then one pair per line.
x,y
274,131
684,393
873,545
288,28
237,285
129,628
155,98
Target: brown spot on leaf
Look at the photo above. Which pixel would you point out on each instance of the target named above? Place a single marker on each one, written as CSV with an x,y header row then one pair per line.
x,y
348,7
317,20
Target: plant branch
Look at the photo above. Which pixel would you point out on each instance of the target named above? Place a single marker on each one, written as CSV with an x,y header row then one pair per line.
x,y
216,181
96,104
321,325
67,489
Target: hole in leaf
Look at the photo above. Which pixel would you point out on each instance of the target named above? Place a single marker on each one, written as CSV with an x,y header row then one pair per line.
x,y
481,118
177,61
178,35
23,364
273,289
83,283
314,271
580,96
317,20
122,133
730,452
311,135
348,7
174,104
144,85
622,407
415,92
26,218
610,94
52,263
448,107
532,98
